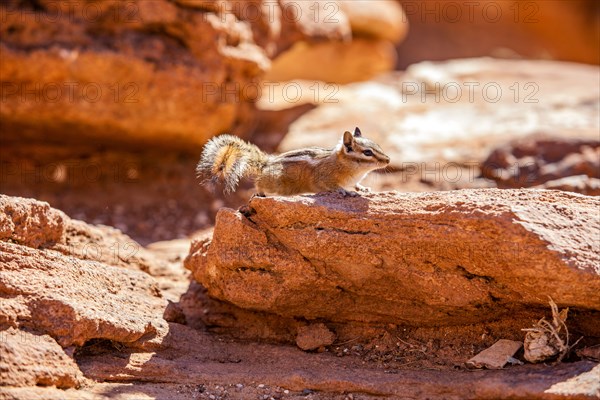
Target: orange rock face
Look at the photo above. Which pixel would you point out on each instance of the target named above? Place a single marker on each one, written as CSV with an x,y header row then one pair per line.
x,y
142,72
371,28
425,259
71,304
35,360
59,278
103,108
548,162
440,30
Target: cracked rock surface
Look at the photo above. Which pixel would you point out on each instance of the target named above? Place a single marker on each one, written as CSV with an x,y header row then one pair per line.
x,y
73,281
425,259
82,324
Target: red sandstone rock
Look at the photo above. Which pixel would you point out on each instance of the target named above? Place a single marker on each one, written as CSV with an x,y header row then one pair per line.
x,y
74,300
35,360
52,289
227,363
313,336
309,19
548,162
67,279
48,393
375,26
422,259
134,73
32,223
156,73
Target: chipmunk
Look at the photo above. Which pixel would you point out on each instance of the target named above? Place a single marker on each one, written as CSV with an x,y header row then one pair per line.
x,y
228,158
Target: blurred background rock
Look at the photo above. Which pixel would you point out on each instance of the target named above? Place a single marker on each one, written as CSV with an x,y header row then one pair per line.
x,y
105,105
545,29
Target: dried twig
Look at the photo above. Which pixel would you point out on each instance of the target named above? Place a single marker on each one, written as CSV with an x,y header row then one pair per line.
x,y
546,339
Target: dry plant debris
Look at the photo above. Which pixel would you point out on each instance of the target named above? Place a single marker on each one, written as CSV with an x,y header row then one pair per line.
x,y
548,340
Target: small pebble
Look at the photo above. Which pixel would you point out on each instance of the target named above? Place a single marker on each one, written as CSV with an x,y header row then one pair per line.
x,y
239,386
261,386
212,397
286,391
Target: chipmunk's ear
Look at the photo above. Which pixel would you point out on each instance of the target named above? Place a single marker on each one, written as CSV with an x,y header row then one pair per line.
x,y
348,140
357,132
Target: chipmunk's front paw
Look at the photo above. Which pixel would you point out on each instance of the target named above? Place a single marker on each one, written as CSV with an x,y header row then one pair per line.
x,y
362,189
347,193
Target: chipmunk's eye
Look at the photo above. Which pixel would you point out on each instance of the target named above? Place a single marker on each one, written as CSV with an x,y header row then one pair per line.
x,y
367,153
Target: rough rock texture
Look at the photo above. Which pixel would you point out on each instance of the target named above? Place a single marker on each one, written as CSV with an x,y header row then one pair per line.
x,y
35,360
313,336
456,112
251,365
285,367
419,259
568,164
67,279
99,304
250,370
74,300
141,72
34,224
496,356
585,384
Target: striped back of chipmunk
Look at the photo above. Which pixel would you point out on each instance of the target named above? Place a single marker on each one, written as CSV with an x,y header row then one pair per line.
x,y
310,154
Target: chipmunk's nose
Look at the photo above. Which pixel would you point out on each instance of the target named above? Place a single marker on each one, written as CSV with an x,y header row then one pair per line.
x,y
386,159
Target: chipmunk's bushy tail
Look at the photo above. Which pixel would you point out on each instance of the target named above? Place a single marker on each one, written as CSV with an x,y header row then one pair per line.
x,y
228,159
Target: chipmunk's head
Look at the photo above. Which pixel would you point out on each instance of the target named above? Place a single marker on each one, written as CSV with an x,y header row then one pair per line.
x,y
363,151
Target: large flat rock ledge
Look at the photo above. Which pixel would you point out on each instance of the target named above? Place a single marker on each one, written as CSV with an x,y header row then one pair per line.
x,y
426,259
